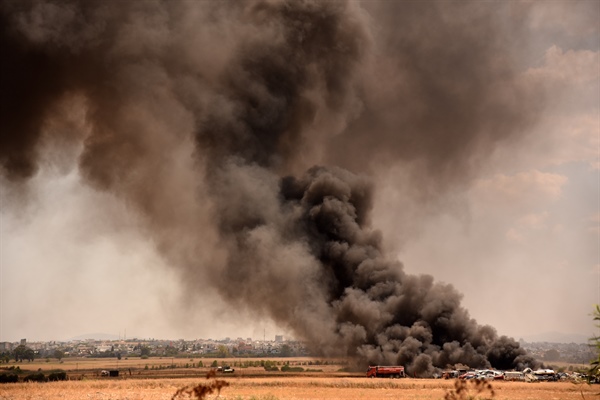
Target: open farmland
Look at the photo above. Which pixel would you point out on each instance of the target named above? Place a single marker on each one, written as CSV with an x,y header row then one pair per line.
x,y
288,388
163,377
169,367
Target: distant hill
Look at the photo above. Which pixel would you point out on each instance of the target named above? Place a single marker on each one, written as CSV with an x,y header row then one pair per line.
x,y
557,337
96,336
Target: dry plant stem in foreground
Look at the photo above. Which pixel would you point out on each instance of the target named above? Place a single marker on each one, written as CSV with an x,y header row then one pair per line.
x,y
201,390
462,389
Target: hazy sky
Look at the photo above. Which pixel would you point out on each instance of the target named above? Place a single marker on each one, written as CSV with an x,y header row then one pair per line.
x,y
513,225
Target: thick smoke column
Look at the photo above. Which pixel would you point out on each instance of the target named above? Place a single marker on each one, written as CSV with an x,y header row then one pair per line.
x,y
199,115
364,305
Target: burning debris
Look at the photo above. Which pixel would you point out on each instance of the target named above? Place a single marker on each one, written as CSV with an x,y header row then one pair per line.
x,y
203,117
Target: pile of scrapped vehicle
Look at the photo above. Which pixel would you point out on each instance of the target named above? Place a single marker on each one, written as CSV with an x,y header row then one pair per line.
x,y
527,375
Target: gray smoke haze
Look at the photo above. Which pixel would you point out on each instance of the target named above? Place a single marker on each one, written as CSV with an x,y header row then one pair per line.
x,y
208,118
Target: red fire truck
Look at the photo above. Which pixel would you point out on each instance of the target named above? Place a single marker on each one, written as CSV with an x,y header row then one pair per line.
x,y
380,371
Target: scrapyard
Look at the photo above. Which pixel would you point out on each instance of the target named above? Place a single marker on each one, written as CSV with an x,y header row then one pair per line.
x,y
527,375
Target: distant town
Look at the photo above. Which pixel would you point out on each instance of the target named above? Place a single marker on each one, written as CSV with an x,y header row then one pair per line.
x,y
574,353
135,347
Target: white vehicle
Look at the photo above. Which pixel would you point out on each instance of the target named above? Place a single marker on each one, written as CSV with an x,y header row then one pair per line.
x,y
490,374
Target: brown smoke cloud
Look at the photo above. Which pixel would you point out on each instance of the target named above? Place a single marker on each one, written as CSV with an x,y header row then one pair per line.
x,y
204,116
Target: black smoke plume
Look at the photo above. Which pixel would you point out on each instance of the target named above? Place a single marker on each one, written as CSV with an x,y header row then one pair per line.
x,y
203,117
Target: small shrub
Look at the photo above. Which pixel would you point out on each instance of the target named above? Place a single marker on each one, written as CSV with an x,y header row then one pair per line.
x,y
200,391
9,378
57,376
463,390
38,377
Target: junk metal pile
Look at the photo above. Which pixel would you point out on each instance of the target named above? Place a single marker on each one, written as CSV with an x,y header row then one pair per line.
x,y
527,375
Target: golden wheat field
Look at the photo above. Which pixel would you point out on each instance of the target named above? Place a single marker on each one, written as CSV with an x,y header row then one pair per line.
x,y
162,378
290,388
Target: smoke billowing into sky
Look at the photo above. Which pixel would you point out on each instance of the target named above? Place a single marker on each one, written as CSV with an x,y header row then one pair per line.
x,y
278,161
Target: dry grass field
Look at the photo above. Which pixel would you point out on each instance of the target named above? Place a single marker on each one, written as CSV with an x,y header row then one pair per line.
x,y
288,388
164,367
92,365
159,381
